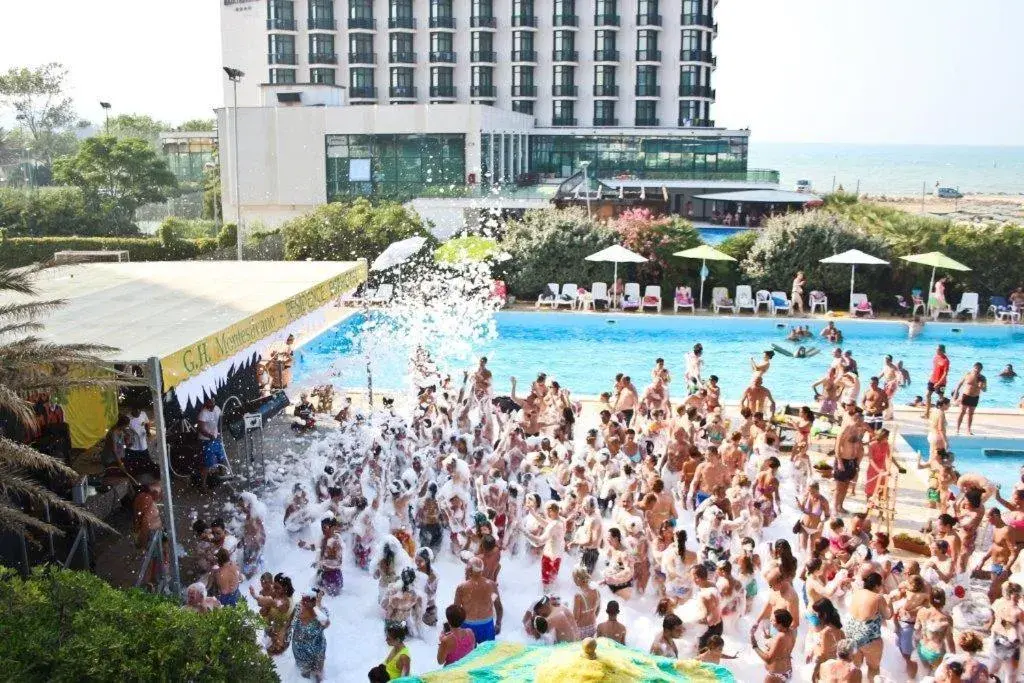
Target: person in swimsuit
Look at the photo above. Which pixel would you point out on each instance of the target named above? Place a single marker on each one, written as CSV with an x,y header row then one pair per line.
x,y
975,671
611,628
671,630
777,653
397,663
827,635
934,631
309,644
456,642
586,603
969,390
841,669
868,609
912,596
1007,625
796,294
815,510
937,380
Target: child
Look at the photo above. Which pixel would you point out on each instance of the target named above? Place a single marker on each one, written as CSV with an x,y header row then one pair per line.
x,y
712,652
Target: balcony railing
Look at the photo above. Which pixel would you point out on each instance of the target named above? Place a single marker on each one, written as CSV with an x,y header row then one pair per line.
x,y
362,23
442,22
402,57
649,19
402,23
524,55
647,90
362,58
647,121
564,90
483,56
606,55
443,57
687,90
606,121
362,92
402,92
445,91
704,20
282,58
569,20
487,91
696,56
563,121
323,58
648,55
279,24
606,20
483,22
703,123
322,24
524,20
606,90
524,90
565,56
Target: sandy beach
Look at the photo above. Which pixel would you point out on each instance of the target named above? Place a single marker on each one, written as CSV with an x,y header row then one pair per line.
x,y
972,208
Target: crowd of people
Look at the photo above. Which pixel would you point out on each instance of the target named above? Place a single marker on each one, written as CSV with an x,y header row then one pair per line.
x,y
670,506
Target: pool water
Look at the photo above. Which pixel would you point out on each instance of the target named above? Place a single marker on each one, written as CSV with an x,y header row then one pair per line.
x,y
585,351
969,452
715,235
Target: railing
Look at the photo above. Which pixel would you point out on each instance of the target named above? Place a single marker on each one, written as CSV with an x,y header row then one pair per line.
x,y
524,55
564,90
402,23
445,91
322,24
648,90
606,55
362,58
696,123
649,19
565,20
563,121
404,92
606,20
402,57
524,91
606,121
647,122
606,90
648,55
688,90
282,58
695,56
483,56
445,57
323,58
524,21
756,175
362,92
281,25
362,23
442,22
565,55
483,22
704,20
487,91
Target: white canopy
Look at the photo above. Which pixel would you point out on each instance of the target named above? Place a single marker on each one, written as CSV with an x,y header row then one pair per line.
x,y
616,254
398,252
854,258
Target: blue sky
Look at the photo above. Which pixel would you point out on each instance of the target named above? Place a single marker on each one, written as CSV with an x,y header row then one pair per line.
x,y
870,71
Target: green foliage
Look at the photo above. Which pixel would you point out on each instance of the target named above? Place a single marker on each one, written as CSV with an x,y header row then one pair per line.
x,y
726,273
16,252
549,245
658,238
798,241
212,207
197,126
121,175
72,626
345,231
186,228
139,126
50,211
228,236
38,99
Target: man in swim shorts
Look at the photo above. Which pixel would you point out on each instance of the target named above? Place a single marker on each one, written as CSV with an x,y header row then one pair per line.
x,y
969,389
478,597
938,378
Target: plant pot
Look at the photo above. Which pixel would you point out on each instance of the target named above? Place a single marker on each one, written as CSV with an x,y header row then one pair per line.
x,y
824,472
914,546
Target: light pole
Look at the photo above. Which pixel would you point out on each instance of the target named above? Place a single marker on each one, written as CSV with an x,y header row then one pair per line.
x,y
236,75
586,185
106,116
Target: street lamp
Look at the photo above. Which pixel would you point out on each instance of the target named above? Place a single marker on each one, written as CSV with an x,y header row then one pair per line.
x,y
106,116
236,75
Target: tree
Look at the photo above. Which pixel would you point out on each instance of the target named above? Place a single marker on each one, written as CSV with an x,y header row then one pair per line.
x,y
658,238
29,365
121,175
38,98
345,231
197,126
139,126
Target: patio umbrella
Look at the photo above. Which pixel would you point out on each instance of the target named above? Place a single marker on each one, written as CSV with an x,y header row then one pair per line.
x,y
705,254
616,254
935,259
398,252
854,258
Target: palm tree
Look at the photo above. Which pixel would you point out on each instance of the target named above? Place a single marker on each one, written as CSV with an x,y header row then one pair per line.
x,y
29,364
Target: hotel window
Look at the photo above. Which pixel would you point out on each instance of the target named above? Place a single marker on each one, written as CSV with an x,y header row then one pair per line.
x,y
360,43
691,8
482,46
522,8
522,46
441,9
604,81
689,112
282,76
647,46
483,76
281,48
400,9
647,8
564,75
321,14
604,46
605,8
646,76
360,9
401,77
604,113
321,46
646,112
281,15
523,106
442,76
483,9
522,82
322,76
360,79
563,112
689,75
692,41
565,44
441,42
565,8
400,47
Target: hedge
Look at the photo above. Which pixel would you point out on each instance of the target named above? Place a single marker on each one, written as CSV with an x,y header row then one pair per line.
x,y
56,211
16,252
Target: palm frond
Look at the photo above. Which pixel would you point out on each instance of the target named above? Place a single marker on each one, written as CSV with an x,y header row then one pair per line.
x,y
20,523
19,456
20,328
13,483
29,310
18,280
13,402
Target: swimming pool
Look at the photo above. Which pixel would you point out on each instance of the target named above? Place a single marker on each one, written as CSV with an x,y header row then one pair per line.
x,y
970,456
715,235
583,351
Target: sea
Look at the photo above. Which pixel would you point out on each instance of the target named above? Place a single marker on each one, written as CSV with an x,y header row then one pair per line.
x,y
893,170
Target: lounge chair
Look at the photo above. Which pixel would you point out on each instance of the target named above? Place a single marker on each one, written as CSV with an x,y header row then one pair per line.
x,y
902,305
598,292
744,299
859,304
684,299
631,297
652,298
720,300
937,308
549,297
570,292
383,294
968,304
817,299
998,304
780,302
763,298
359,296
917,301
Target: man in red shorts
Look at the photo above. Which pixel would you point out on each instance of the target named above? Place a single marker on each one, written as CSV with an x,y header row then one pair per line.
x,y
937,381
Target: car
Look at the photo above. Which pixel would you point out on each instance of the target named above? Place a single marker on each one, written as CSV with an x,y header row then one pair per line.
x,y
803,186
949,193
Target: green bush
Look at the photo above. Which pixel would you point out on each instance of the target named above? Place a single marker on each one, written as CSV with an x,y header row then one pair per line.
x,y
228,236
345,231
659,238
16,252
188,228
728,273
72,626
549,245
51,211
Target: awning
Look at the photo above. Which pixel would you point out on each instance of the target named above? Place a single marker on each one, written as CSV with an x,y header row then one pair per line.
x,y
761,197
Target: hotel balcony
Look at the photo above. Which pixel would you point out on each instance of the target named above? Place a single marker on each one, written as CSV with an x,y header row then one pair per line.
x,y
705,91
323,58
444,57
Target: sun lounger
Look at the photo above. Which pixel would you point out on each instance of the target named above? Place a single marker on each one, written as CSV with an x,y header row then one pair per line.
x,y
859,305
968,304
652,298
598,292
684,299
745,299
549,297
570,292
720,300
1001,309
780,302
357,298
763,298
818,299
938,308
631,297
383,294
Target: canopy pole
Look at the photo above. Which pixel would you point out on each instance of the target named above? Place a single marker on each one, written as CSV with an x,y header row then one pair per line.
x,y
703,265
615,279
928,294
853,271
156,387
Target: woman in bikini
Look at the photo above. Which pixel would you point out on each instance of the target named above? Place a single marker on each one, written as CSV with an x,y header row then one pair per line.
x,y
828,631
819,587
799,457
618,574
456,642
676,561
934,632
732,592
777,654
749,563
908,599
766,490
815,510
586,604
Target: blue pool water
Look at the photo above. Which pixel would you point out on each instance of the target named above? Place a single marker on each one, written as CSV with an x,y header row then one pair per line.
x,y
716,235
969,452
584,351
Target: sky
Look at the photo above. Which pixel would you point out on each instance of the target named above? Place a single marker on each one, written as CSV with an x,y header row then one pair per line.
x,y
864,71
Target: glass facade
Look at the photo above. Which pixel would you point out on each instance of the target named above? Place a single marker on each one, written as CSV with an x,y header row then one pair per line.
x,y
321,75
559,156
394,165
187,157
286,76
